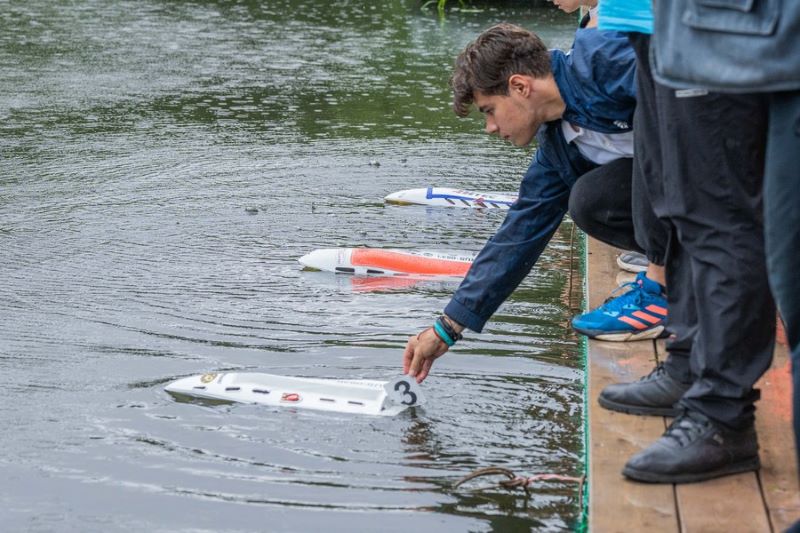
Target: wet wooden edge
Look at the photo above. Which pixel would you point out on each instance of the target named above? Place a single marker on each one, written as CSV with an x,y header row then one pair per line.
x,y
778,473
614,503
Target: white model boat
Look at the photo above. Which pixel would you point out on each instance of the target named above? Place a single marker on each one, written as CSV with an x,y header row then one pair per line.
x,y
385,398
448,197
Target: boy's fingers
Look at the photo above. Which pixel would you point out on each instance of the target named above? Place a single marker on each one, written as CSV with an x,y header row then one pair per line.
x,y
420,353
416,362
408,354
426,369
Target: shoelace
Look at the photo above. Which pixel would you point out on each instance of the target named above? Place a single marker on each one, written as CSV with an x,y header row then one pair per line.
x,y
634,294
656,372
686,429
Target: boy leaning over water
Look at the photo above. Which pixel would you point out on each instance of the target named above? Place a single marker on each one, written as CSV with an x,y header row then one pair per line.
x,y
580,106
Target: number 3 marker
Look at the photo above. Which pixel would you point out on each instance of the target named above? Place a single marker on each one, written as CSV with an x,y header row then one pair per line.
x,y
405,391
412,398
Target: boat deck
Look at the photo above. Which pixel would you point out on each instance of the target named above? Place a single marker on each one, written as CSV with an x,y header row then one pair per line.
x,y
754,502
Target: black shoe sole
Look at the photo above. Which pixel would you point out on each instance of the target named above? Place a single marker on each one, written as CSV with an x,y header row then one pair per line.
x,y
641,410
746,465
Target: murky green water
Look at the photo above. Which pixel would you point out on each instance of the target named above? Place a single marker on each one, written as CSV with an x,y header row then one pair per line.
x,y
133,136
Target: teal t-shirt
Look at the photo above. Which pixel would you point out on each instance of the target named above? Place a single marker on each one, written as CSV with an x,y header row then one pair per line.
x,y
626,15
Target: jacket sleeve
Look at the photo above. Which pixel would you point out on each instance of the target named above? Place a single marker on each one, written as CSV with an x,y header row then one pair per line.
x,y
602,66
511,253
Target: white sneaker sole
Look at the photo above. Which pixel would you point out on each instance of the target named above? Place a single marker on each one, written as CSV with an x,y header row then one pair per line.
x,y
631,336
630,268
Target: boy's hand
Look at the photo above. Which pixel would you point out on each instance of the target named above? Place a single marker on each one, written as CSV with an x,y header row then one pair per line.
x,y
421,351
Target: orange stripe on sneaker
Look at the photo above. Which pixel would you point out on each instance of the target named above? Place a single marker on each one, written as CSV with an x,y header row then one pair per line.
x,y
657,309
631,322
647,318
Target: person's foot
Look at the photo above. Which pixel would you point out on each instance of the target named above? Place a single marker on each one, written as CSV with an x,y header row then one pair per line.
x,y
695,448
638,314
655,394
632,262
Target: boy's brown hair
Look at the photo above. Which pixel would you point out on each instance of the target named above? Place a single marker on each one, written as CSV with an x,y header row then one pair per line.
x,y
486,63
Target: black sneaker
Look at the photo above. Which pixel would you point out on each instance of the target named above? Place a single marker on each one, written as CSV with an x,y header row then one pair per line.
x,y
655,394
695,448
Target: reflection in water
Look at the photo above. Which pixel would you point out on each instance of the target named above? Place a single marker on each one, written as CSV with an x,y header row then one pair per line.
x,y
137,137
346,283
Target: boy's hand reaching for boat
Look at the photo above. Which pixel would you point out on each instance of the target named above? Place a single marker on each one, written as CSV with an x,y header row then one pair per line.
x,y
429,345
421,351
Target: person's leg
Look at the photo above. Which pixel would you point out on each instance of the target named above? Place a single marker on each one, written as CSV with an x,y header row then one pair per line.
x,y
656,393
659,392
782,225
657,273
717,197
651,231
682,319
713,169
600,204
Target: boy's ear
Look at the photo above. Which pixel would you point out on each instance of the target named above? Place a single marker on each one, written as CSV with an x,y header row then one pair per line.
x,y
521,84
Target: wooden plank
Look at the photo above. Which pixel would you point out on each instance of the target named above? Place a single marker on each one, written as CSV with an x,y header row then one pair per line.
x,y
601,271
730,503
776,437
617,505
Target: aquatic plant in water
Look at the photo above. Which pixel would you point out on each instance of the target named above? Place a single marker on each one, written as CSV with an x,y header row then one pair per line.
x,y
440,4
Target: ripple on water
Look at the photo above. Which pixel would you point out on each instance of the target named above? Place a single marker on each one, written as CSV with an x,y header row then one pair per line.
x,y
134,137
309,459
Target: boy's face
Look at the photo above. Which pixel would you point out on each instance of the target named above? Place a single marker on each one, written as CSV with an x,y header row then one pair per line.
x,y
509,117
569,6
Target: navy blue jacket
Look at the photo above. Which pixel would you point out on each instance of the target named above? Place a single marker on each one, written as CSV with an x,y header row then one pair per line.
x,y
597,82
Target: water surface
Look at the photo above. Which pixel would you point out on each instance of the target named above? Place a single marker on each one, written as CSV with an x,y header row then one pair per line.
x,y
137,139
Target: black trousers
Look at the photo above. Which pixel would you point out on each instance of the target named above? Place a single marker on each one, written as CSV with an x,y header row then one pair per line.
x,y
712,151
603,203
782,225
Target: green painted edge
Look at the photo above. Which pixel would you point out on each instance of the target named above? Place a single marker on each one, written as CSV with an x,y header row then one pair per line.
x,y
583,524
583,245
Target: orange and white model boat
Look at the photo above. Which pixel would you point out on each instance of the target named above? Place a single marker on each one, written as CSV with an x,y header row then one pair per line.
x,y
389,262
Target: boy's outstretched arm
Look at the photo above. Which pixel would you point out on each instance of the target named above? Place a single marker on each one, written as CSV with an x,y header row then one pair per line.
x,y
502,264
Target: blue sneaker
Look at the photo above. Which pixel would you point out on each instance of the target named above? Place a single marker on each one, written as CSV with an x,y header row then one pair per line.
x,y
640,313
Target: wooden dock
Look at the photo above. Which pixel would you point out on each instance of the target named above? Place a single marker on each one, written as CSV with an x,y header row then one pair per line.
x,y
766,501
